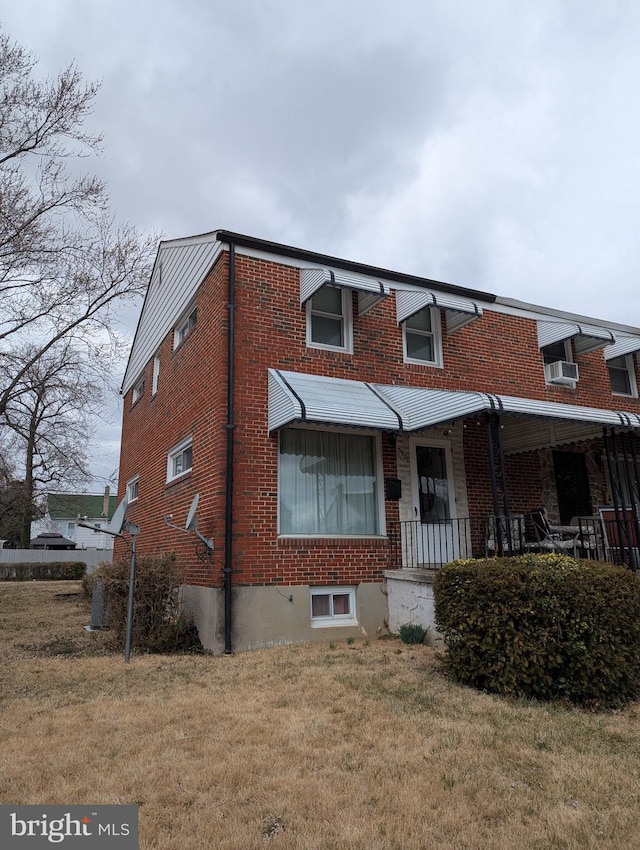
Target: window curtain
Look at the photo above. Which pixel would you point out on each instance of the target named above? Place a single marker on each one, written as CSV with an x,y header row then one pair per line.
x,y
327,483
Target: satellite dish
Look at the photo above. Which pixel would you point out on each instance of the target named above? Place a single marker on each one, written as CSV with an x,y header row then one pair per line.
x,y
117,520
191,516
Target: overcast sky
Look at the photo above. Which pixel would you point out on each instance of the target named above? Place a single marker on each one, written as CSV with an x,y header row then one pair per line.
x,y
494,144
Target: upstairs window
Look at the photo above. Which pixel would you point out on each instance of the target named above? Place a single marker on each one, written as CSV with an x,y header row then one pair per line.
x,y
557,351
329,319
621,375
185,327
421,337
156,374
180,459
138,390
133,488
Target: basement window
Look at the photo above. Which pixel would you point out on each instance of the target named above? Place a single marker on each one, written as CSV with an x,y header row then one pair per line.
x,y
333,606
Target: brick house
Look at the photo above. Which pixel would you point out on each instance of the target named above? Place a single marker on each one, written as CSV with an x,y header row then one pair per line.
x,y
342,422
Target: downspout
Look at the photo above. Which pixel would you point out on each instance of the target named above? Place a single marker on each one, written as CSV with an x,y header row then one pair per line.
x,y
228,513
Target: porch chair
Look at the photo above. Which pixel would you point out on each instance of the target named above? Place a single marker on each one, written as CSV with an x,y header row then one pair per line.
x,y
510,537
553,539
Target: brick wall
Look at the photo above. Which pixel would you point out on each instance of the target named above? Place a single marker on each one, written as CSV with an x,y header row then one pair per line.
x,y
497,353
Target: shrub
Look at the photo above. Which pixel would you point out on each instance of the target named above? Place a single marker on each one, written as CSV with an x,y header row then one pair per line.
x,y
542,626
412,633
158,624
56,571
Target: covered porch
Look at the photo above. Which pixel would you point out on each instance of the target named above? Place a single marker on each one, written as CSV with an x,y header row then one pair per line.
x,y
476,473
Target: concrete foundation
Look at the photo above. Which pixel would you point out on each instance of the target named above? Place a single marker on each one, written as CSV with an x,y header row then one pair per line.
x,y
410,600
274,616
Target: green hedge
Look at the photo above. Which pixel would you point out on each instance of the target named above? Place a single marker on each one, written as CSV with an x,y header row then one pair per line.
x,y
542,626
58,571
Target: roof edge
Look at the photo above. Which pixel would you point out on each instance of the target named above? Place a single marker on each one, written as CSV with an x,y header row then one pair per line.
x,y
281,250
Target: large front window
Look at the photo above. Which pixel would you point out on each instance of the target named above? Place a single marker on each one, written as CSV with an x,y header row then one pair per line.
x,y
328,483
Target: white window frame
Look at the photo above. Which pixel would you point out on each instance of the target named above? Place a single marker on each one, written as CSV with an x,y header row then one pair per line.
x,y
138,391
631,372
568,358
184,328
156,374
172,457
435,333
133,489
347,322
379,472
333,620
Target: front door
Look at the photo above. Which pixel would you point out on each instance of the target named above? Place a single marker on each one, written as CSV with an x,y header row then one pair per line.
x,y
436,538
572,485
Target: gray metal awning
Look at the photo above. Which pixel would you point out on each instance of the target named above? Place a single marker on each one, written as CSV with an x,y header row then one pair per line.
x,y
370,291
585,338
458,311
296,397
623,345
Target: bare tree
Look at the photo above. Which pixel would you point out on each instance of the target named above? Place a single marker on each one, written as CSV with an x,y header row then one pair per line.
x,y
51,417
64,262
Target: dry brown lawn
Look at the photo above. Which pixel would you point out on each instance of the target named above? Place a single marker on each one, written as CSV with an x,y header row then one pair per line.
x,y
332,746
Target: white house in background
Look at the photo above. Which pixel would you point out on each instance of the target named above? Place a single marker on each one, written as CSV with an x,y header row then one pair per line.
x,y
61,516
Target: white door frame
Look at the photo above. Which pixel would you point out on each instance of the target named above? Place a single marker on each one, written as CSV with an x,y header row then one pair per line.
x,y
435,543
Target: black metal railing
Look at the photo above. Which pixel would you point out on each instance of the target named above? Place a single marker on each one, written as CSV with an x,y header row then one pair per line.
x,y
414,545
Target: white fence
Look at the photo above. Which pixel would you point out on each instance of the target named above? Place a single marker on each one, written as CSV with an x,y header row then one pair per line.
x,y
91,557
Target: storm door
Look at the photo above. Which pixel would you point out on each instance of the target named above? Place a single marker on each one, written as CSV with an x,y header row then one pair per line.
x,y
436,537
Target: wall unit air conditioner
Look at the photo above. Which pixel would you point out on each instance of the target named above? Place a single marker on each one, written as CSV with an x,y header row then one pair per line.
x,y
562,372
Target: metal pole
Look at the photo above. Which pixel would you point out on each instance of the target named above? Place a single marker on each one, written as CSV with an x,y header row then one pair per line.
x,y
132,581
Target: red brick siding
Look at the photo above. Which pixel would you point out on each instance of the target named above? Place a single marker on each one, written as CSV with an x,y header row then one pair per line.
x,y
498,353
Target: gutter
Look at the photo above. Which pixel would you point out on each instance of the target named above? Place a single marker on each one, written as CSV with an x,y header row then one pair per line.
x,y
228,513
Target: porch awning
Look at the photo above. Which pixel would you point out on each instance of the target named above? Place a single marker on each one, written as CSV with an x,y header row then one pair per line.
x,y
623,345
370,291
458,311
296,397
585,338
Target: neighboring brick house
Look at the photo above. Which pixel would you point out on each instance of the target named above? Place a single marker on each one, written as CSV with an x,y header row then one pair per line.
x,y
339,420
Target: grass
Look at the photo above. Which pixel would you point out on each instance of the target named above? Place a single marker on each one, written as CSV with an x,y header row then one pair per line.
x,y
362,745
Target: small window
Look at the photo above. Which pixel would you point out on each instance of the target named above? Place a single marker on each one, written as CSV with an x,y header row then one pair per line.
x,y
621,375
138,390
180,460
329,319
185,327
333,606
156,374
421,334
132,489
71,529
557,351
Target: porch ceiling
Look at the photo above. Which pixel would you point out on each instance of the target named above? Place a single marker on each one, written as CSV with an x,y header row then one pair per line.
x,y
296,397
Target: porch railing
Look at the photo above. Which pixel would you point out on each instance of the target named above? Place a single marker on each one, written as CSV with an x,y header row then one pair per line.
x,y
415,545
